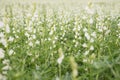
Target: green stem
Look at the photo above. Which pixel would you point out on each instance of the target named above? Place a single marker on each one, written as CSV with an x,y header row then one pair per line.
x,y
60,71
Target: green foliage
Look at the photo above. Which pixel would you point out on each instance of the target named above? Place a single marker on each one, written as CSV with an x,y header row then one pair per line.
x,y
37,40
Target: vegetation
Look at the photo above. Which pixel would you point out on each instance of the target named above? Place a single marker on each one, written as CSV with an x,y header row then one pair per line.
x,y
59,40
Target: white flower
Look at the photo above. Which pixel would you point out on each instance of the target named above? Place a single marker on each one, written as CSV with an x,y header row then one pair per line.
x,y
7,29
107,32
93,34
50,48
86,53
49,39
10,52
104,27
87,36
3,41
61,56
10,39
2,55
56,38
26,34
1,35
76,44
1,24
57,78
118,24
85,60
79,37
54,46
30,44
53,41
84,45
29,15
91,40
59,60
2,77
65,39
34,30
51,32
33,36
4,72
84,17
91,48
74,40
7,67
6,61
79,27
29,54
76,36
100,30
85,30
18,30
74,29
14,32
29,29
33,18
37,42
36,15
91,21
75,72
89,11
16,36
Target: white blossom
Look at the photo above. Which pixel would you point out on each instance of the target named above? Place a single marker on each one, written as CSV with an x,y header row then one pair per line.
x,y
37,42
118,24
11,39
11,52
84,45
57,78
91,40
91,48
89,10
1,35
2,55
26,34
86,53
3,41
51,32
85,60
59,60
7,29
7,67
3,77
4,72
87,36
1,24
91,21
93,34
6,61
30,43
61,56
85,30
34,36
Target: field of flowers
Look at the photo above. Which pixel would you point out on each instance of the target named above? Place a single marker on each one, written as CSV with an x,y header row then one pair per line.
x,y
59,40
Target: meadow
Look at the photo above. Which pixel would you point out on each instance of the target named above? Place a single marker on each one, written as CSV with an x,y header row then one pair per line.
x,y
59,40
